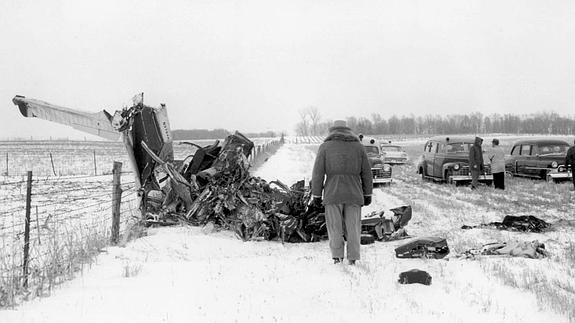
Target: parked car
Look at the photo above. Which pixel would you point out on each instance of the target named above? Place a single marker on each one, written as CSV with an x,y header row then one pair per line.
x,y
380,171
394,154
446,159
539,158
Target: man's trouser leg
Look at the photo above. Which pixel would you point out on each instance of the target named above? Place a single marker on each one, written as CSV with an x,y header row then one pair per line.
x,y
352,218
474,178
573,176
334,222
499,180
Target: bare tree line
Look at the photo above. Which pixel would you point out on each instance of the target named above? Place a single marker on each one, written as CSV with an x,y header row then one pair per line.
x,y
311,124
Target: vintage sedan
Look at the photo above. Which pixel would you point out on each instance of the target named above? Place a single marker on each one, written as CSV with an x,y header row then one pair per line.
x,y
538,158
446,159
380,171
394,154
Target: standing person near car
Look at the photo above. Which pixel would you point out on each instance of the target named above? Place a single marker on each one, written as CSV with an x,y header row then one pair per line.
x,y
343,173
476,162
497,158
570,160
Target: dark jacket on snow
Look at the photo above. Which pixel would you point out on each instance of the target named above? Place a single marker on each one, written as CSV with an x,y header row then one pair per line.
x,y
570,158
476,155
341,169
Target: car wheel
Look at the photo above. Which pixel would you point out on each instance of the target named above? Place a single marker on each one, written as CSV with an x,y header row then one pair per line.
x,y
422,171
550,179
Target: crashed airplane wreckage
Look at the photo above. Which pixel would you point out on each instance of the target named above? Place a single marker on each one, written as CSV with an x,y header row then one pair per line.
x,y
212,187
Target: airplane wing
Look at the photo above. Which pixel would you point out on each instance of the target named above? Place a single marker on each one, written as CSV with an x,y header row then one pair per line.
x,y
93,123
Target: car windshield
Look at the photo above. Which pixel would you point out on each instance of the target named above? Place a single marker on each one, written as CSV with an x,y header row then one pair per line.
x,y
457,147
553,149
390,148
371,150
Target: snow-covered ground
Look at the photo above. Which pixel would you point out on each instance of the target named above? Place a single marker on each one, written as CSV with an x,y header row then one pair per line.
x,y
183,274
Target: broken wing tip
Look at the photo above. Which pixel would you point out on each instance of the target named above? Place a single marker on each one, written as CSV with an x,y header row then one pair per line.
x,y
18,100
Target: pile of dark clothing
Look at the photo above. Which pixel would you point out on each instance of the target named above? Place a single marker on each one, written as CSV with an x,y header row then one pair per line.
x,y
524,223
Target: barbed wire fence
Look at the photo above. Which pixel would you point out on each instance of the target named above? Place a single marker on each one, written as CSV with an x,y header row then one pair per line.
x,y
54,223
53,227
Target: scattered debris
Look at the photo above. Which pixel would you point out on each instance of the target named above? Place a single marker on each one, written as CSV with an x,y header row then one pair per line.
x,y
415,276
384,229
524,223
533,249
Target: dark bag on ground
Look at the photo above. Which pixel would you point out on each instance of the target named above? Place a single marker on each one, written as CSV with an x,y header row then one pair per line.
x,y
415,276
366,239
427,247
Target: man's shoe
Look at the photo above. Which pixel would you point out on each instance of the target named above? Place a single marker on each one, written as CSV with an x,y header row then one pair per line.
x,y
336,260
352,262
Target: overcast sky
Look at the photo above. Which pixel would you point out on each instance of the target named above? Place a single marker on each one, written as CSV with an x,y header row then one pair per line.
x,y
251,65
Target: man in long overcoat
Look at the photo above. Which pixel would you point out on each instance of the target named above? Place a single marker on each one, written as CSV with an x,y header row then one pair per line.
x,y
497,157
476,161
343,173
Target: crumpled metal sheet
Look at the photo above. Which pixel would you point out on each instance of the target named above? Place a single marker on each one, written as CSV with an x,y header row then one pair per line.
x,y
229,197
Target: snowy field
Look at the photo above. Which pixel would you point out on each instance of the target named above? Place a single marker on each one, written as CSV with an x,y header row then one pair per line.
x,y
183,274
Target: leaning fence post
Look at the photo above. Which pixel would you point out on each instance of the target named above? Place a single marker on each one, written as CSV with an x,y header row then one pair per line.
x,y
116,201
52,161
27,228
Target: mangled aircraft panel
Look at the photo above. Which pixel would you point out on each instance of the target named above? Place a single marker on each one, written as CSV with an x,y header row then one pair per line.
x,y
137,124
149,125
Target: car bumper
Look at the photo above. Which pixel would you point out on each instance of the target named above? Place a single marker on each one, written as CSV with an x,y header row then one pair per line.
x,y
467,178
395,160
562,175
381,180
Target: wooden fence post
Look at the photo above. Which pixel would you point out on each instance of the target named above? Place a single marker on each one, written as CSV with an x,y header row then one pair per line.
x,y
116,202
52,161
95,169
27,229
6,164
38,226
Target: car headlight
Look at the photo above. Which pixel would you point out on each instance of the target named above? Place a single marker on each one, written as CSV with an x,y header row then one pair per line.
x,y
386,168
456,166
554,164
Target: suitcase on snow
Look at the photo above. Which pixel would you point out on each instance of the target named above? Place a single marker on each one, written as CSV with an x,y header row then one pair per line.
x,y
428,247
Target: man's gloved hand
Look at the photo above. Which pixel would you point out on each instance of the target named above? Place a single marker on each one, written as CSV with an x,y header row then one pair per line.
x,y
316,202
366,200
